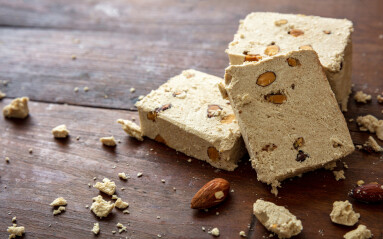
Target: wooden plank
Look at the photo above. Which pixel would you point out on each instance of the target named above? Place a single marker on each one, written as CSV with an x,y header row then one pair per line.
x,y
149,42
65,167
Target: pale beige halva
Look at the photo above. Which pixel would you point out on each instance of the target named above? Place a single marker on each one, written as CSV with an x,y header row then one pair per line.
x,y
187,113
264,34
288,115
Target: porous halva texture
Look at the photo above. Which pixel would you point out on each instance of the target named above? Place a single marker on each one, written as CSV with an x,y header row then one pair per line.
x,y
15,231
359,233
107,186
100,207
362,97
60,131
96,228
60,201
18,108
108,141
342,213
188,113
264,34
121,204
288,115
277,219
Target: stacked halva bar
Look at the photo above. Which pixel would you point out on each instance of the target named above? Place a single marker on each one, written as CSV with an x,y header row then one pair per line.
x,y
278,91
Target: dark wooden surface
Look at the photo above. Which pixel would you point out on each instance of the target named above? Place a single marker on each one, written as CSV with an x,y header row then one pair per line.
x,y
140,44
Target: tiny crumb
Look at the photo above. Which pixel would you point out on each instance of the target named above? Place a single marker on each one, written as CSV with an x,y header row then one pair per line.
x,y
87,206
140,97
214,232
105,97
108,141
158,217
113,232
351,120
242,234
7,159
126,211
96,228
206,210
159,236
60,132
151,149
345,165
189,160
122,176
114,166
139,175
78,138
163,180
217,213
30,151
75,89
89,185
379,98
74,57
174,189
380,36
360,182
232,190
203,228
14,219
2,95
60,201
86,88
122,189
121,227
114,197
132,90
59,210
339,175
94,178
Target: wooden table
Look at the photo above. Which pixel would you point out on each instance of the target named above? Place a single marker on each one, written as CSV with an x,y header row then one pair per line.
x,y
122,44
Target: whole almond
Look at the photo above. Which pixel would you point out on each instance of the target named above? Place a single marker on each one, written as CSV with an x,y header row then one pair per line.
x,y
368,193
211,194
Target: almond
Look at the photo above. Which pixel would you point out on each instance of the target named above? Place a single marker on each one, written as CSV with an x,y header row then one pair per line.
x,y
301,156
276,98
255,57
213,153
296,32
327,32
271,50
368,193
153,114
306,47
227,119
211,194
299,142
213,110
266,78
293,62
159,139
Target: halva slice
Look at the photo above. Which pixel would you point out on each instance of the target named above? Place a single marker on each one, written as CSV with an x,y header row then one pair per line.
x,y
277,219
288,115
264,34
188,114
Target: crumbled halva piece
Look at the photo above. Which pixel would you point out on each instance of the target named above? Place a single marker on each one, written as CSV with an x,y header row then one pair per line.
x,y
372,124
96,228
15,231
100,207
301,119
122,176
242,234
2,95
59,210
379,98
107,186
264,34
362,97
60,201
18,108
188,114
360,182
60,131
342,213
277,219
339,175
114,197
359,233
121,228
214,232
108,141
121,204
330,166
131,129
371,143
7,160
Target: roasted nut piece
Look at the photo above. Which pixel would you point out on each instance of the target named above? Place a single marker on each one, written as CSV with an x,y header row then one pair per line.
x,y
213,110
152,115
211,194
163,108
159,139
266,78
255,57
296,32
301,156
276,98
280,22
327,32
293,62
271,50
269,147
306,47
227,119
368,193
299,142
213,153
